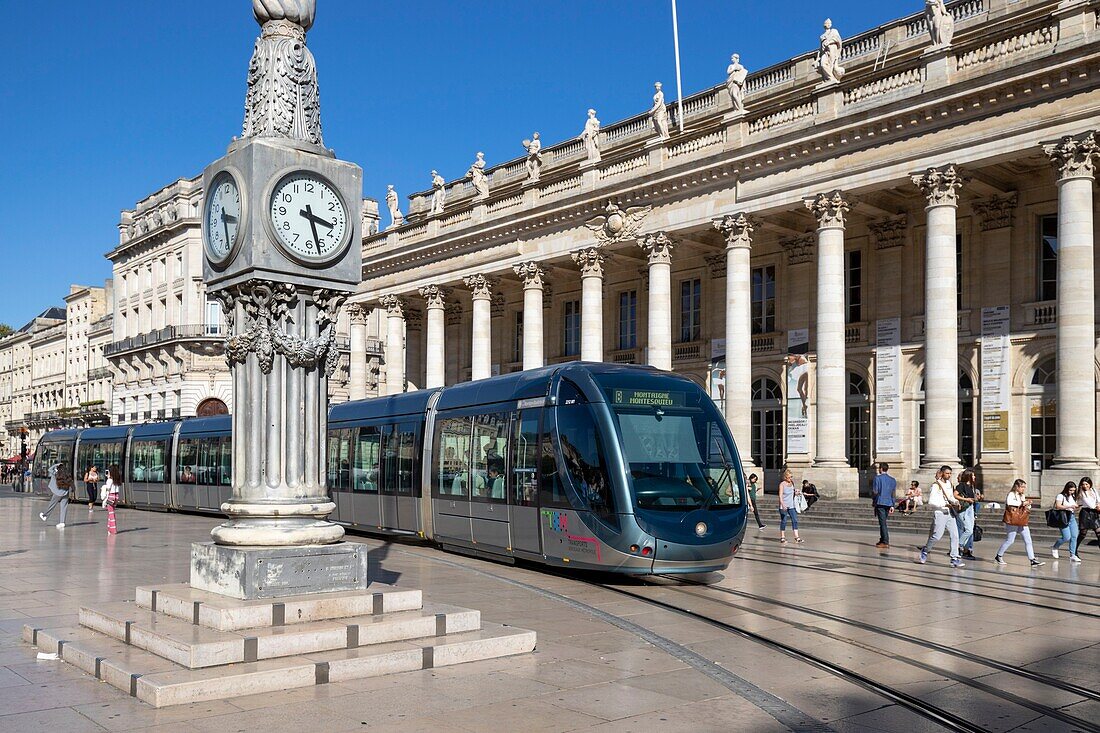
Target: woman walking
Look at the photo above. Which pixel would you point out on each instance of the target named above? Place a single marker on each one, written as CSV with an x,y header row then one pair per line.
x,y
112,487
941,499
61,482
1088,499
1016,516
968,496
752,501
787,509
91,486
1065,501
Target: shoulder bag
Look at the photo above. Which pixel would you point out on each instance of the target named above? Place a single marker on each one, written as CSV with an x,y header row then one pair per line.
x,y
800,503
1088,519
1058,518
1016,516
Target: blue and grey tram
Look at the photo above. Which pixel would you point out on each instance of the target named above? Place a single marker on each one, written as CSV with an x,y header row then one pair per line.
x,y
598,466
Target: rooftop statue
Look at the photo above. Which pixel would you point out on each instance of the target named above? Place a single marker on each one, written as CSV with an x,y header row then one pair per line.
x,y
534,157
828,55
439,193
941,24
591,137
394,205
736,74
477,176
658,113
283,100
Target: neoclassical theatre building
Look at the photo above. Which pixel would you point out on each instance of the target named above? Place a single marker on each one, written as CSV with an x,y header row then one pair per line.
x,y
882,249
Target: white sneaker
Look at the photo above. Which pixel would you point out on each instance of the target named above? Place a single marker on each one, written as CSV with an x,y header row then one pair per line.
x,y
1054,554
61,525
42,516
1074,558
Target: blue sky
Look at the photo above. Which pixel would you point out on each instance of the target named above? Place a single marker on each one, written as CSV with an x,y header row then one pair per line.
x,y
108,101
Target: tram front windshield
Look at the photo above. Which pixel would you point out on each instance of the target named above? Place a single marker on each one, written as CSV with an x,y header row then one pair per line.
x,y
675,446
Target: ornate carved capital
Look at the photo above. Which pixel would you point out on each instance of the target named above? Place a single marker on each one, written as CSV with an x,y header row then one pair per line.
x,y
1074,156
941,185
357,314
643,276
800,250
658,246
996,212
454,313
617,225
737,229
435,295
394,305
716,264
328,304
481,286
531,274
829,209
889,233
590,260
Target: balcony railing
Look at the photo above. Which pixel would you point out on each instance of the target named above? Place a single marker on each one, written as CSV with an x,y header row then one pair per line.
x,y
68,417
689,351
100,373
163,336
624,356
1043,314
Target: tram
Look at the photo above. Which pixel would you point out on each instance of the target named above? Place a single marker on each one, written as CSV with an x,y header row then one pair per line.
x,y
599,466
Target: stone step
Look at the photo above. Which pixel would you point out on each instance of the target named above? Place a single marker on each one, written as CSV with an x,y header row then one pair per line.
x,y
223,613
196,647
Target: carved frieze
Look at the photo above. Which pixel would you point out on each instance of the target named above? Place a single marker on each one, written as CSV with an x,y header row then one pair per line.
x,y
454,313
889,233
1074,156
996,212
800,250
617,225
716,263
496,305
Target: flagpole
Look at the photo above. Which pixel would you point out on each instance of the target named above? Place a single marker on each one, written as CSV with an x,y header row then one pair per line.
x,y
679,88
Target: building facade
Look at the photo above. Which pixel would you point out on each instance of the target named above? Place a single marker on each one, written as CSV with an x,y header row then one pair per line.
x,y
882,250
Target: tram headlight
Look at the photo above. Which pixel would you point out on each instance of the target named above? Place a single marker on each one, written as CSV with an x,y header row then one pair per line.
x,y
700,529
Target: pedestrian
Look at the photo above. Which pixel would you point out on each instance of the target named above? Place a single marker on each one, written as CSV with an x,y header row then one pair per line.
x,y
912,499
882,495
941,498
61,482
112,487
967,494
752,501
91,486
787,509
1088,499
1016,516
809,491
1065,501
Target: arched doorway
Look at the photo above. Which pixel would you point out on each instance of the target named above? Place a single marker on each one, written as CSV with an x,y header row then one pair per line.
x,y
767,429
210,407
967,435
1043,424
858,407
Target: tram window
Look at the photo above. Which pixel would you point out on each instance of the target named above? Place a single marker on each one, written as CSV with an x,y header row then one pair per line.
x,y
49,454
569,394
187,453
407,484
525,445
100,455
368,451
147,461
339,460
585,462
390,446
455,443
551,490
489,448
205,461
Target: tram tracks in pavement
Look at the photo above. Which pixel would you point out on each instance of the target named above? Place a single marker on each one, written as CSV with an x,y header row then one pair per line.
x,y
1042,679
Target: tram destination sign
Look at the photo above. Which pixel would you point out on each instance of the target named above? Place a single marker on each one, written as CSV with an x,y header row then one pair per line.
x,y
648,398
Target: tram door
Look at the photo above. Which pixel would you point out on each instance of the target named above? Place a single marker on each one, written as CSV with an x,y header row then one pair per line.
x,y
488,493
523,482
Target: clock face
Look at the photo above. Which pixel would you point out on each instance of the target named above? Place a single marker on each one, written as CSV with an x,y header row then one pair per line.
x,y
223,217
309,217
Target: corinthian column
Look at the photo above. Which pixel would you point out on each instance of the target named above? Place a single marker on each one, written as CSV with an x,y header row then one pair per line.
x,y
941,317
737,229
357,370
481,288
532,276
659,248
1074,159
831,388
590,261
395,343
435,368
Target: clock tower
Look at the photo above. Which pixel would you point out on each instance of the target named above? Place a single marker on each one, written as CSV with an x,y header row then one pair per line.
x,y
282,252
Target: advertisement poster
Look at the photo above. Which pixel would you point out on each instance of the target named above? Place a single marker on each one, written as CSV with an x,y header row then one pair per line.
x,y
798,391
995,379
888,386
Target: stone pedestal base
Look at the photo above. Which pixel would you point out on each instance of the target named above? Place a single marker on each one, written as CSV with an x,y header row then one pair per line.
x,y
271,572
841,483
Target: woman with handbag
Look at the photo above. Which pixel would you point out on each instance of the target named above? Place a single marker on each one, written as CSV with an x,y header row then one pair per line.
x,y
787,507
112,487
1016,516
941,499
1066,504
91,486
1089,517
61,483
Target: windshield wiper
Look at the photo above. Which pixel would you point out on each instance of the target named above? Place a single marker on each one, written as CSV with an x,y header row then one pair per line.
x,y
727,476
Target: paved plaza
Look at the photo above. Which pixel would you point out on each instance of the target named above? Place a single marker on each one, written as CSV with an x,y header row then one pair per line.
x,y
605,661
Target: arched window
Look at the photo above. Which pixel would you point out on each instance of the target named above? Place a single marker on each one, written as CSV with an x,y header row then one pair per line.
x,y
766,389
967,454
1044,412
859,422
1045,374
210,407
767,424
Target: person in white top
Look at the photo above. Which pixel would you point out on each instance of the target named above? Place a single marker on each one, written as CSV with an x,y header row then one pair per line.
x,y
941,498
1088,518
1017,497
1066,502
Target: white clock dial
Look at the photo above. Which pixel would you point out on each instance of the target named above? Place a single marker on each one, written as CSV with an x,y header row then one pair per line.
x,y
309,217
223,217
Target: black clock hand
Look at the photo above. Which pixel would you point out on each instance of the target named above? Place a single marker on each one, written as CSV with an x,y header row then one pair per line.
x,y
307,214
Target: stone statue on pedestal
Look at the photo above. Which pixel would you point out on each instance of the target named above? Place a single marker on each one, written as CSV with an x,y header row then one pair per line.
x,y
828,54
591,137
658,113
736,74
941,24
478,177
534,157
394,205
439,193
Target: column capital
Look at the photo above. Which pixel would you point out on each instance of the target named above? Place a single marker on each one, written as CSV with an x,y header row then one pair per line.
x,y
357,313
996,212
590,260
658,246
1074,156
394,305
737,229
531,274
481,286
829,209
435,295
941,185
889,233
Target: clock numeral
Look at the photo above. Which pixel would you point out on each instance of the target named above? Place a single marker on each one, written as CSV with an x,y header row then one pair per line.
x,y
286,225
286,197
309,188
331,206
282,211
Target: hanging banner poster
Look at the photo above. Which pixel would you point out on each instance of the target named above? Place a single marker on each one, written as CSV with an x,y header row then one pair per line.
x,y
996,390
888,386
798,391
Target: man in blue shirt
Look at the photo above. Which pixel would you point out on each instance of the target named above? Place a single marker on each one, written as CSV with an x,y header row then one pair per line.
x,y
882,492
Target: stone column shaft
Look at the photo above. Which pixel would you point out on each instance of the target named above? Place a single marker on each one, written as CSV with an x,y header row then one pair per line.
x,y
357,369
435,361
738,396
532,276
659,248
481,286
591,263
395,343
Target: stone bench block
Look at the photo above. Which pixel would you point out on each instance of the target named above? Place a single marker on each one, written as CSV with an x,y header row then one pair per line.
x,y
180,687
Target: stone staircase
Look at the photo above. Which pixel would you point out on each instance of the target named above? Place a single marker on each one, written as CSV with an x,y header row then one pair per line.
x,y
178,645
